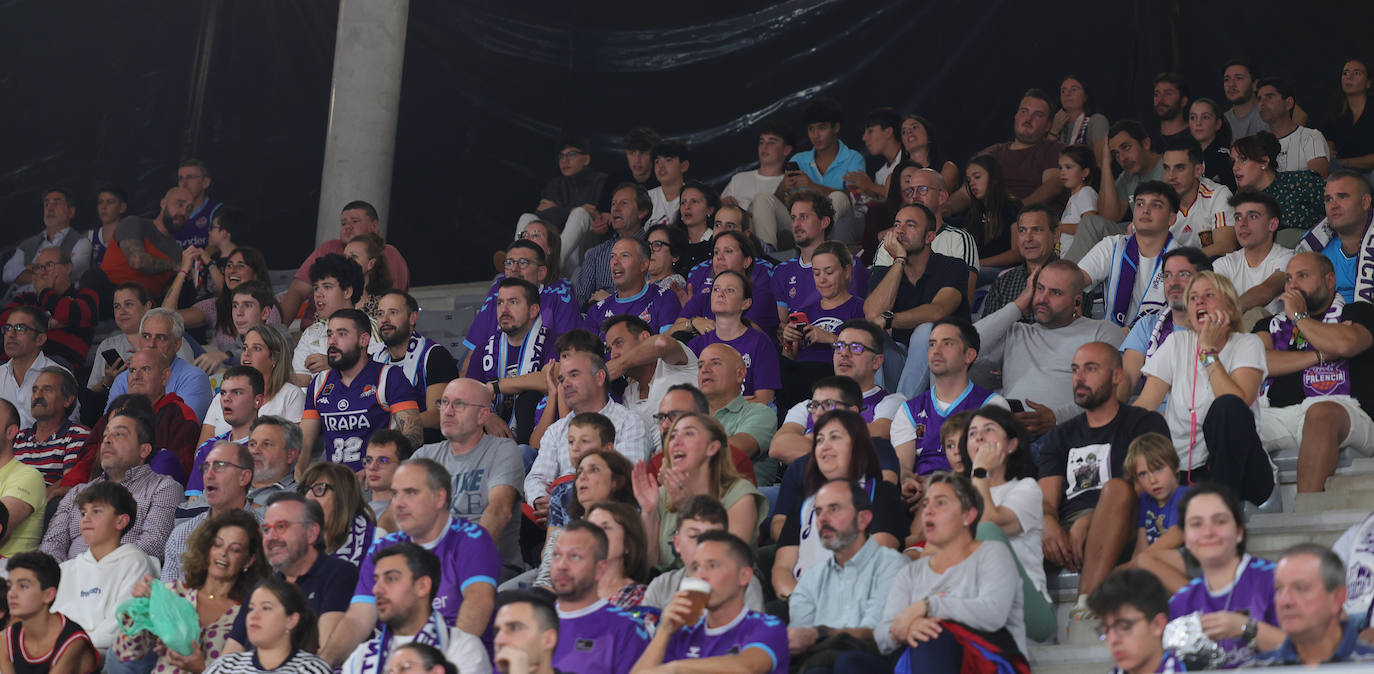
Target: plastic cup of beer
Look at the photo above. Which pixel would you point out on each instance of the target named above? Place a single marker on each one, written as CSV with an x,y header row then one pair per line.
x,y
697,591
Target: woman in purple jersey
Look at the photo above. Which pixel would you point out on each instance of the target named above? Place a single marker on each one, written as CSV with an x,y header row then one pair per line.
x,y
733,252
731,297
808,346
1235,594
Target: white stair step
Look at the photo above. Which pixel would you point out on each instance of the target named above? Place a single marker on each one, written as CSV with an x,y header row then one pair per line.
x,y
1093,659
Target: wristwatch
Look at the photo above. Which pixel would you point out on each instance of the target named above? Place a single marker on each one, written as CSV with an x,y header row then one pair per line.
x,y
980,473
1207,358
887,320
1301,315
1250,631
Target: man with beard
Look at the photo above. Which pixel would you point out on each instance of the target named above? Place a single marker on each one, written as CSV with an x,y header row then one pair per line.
x,y
1321,381
1090,523
355,396
1033,238
1146,336
293,540
526,260
1171,103
425,363
1344,236
1129,146
510,361
228,475
952,348
146,251
1256,270
794,286
1034,358
1030,161
906,299
594,636
1238,81
1204,214
406,582
848,591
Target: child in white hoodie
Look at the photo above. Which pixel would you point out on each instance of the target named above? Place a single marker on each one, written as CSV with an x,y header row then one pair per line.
x,y
99,579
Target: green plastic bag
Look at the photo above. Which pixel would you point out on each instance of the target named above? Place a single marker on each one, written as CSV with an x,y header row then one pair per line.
x,y
167,616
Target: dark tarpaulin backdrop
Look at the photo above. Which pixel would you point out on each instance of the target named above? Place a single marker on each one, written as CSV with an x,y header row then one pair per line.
x,y
103,91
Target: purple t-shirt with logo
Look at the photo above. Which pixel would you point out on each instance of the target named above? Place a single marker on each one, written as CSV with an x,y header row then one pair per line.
x,y
795,287
599,638
927,418
762,313
749,630
349,414
556,308
830,321
1252,592
760,358
196,231
658,307
466,554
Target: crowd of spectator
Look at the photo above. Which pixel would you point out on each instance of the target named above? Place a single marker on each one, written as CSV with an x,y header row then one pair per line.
x,y
857,411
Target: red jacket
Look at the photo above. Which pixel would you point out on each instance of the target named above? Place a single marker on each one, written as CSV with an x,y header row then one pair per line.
x,y
176,430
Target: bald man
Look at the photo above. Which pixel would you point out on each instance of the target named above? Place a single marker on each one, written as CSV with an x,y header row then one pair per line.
x,y
720,376
146,251
488,473
1319,360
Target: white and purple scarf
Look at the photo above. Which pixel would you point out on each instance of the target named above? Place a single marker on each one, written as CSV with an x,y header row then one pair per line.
x,y
1322,235
1122,284
1323,379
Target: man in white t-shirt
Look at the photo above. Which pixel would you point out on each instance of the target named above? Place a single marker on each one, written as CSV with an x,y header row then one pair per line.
x,y
1257,269
1211,375
672,158
1127,265
1204,216
1299,147
775,146
651,364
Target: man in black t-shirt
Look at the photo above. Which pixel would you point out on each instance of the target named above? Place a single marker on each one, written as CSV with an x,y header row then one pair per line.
x,y
920,287
1084,485
1321,372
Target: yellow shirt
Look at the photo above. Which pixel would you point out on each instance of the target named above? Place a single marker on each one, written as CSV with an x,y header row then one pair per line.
x,y
21,481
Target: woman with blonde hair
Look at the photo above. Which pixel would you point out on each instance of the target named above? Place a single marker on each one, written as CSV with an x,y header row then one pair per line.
x,y
1211,374
350,527
696,461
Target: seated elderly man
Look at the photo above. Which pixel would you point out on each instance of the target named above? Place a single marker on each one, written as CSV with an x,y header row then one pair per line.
x,y
127,442
1309,594
162,330
71,310
750,426
228,474
25,332
131,302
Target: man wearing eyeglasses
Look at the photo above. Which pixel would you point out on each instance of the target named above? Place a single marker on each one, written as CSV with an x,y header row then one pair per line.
x,y
1134,608
72,310
487,471
858,356
228,475
526,261
241,396
1148,334
1257,269
569,201
293,540
25,332
162,330
630,208
510,361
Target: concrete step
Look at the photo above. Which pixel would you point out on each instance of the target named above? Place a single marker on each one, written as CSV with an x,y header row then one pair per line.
x,y
1093,659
